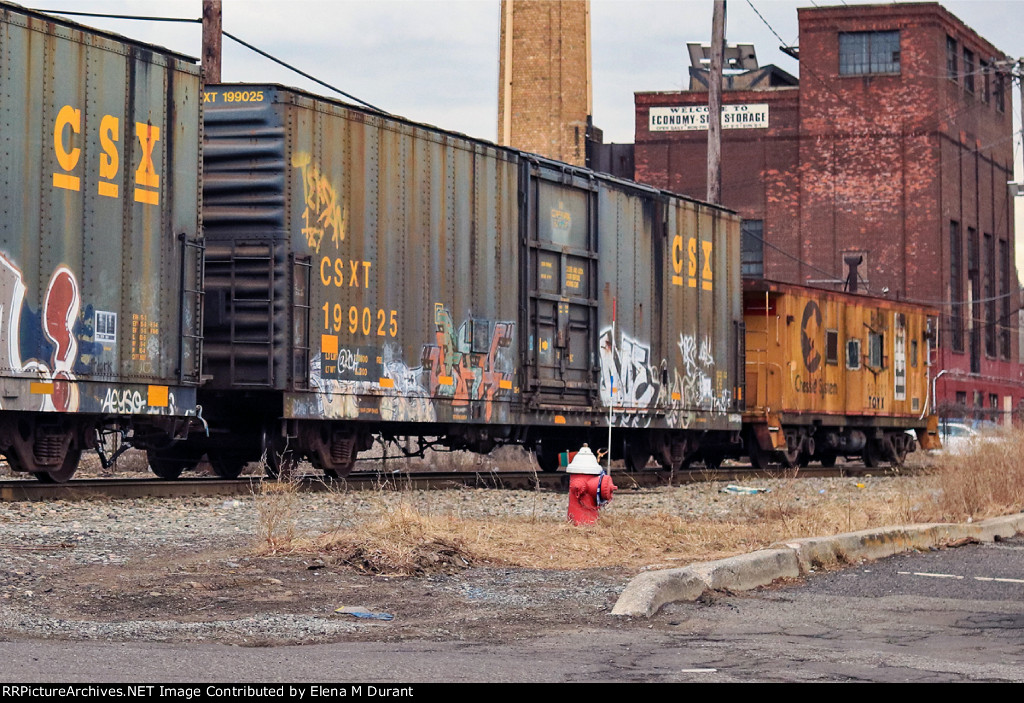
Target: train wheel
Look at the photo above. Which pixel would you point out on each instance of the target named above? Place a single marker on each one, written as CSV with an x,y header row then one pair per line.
x,y
169,463
336,474
227,465
790,458
713,460
547,459
899,456
872,455
65,472
759,458
637,456
281,465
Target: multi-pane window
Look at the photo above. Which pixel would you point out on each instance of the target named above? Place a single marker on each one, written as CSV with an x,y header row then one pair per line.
x,y
968,70
1004,292
956,291
952,65
752,249
869,52
990,295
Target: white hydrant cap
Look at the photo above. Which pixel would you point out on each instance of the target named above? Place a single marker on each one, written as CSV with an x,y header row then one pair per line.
x,y
584,463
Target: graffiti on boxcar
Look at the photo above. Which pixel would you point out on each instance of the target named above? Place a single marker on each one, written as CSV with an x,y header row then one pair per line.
x,y
324,212
627,378
450,370
703,387
49,353
129,401
631,382
408,400
462,371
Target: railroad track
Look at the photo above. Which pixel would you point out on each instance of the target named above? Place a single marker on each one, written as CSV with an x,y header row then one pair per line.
x,y
146,487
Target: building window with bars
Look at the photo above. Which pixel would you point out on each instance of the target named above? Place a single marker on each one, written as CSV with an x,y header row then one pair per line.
x,y
952,65
752,249
956,291
863,53
1004,299
968,70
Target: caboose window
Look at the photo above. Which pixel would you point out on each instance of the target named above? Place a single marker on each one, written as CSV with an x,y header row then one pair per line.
x,y
853,354
832,347
913,353
875,350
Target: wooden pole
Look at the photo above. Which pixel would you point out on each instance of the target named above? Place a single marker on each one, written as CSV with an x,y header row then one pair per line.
x,y
714,193
211,41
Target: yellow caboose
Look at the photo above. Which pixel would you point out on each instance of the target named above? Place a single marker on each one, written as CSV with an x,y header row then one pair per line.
x,y
833,374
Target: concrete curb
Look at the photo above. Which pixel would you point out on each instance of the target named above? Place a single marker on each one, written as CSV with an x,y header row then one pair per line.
x,y
646,593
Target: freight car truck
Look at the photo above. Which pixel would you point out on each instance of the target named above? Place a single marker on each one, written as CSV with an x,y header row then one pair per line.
x,y
100,247
369,276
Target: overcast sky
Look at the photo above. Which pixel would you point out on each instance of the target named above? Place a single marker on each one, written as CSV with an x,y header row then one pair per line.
x,y
436,61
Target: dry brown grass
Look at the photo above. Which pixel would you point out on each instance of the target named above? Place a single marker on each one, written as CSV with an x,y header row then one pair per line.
x,y
985,481
278,504
398,532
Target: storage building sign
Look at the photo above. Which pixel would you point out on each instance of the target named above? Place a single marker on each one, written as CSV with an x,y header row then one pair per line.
x,y
694,117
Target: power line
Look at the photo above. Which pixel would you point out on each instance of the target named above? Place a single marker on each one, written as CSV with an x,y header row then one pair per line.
x,y
147,18
247,45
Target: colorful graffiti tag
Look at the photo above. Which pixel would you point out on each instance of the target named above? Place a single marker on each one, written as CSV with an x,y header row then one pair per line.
x,y
451,375
52,358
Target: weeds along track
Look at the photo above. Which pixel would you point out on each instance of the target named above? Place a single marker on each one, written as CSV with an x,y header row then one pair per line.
x,y
144,486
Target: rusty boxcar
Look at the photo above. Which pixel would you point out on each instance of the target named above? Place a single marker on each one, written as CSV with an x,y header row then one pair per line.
x,y
831,374
370,275
100,249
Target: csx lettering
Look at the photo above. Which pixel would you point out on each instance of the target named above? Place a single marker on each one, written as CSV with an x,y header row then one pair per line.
x,y
698,256
68,117
146,175
677,260
68,123
338,272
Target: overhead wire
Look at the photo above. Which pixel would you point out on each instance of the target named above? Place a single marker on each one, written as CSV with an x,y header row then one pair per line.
x,y
247,45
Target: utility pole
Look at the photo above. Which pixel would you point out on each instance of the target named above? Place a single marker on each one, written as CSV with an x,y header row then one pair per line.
x,y
211,41
714,194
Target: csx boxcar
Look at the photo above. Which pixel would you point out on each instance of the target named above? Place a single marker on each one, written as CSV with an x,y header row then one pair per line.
x,y
832,374
100,252
366,274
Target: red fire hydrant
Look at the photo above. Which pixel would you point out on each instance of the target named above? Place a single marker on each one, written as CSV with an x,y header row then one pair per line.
x,y
589,487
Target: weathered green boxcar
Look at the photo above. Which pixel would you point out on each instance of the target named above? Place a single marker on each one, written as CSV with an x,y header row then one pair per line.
x,y
366,274
100,249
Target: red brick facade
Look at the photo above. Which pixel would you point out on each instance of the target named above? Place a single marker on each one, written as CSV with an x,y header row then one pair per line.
x,y
883,162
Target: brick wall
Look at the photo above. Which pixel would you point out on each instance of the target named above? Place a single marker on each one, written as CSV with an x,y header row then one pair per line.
x,y
550,76
873,163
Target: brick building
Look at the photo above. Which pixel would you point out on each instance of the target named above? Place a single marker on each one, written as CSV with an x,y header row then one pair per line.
x,y
896,145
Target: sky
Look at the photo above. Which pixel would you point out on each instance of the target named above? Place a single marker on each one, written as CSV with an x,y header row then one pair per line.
x,y
436,61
